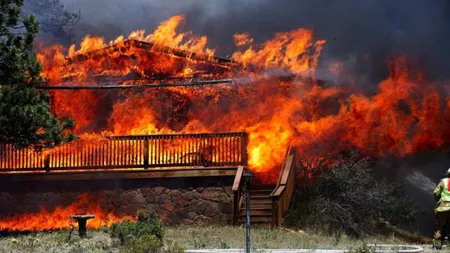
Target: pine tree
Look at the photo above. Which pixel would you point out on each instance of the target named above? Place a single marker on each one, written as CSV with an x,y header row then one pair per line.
x,y
25,117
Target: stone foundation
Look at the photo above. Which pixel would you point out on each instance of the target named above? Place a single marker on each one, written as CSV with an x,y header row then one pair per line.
x,y
185,201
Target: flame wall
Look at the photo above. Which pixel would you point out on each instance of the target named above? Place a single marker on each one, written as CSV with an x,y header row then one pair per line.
x,y
275,96
34,206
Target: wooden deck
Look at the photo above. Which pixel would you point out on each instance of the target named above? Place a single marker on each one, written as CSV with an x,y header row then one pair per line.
x,y
120,174
133,156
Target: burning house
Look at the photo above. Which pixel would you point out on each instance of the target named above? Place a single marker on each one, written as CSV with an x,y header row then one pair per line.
x,y
164,125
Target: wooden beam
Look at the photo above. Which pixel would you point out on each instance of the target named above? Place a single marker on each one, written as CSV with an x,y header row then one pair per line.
x,y
128,174
137,86
155,48
237,179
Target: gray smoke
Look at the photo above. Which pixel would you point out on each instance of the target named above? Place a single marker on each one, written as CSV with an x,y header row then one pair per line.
x,y
361,33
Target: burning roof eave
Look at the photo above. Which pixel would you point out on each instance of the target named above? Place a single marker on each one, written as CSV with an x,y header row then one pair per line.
x,y
228,63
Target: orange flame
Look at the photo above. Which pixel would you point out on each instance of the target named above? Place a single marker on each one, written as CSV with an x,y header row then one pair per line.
x,y
60,217
406,116
273,111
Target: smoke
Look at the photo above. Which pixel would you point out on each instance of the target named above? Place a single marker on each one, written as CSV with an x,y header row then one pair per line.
x,y
360,33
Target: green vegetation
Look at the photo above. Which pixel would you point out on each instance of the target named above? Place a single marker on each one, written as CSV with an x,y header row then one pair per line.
x,y
25,117
147,224
347,198
189,237
146,235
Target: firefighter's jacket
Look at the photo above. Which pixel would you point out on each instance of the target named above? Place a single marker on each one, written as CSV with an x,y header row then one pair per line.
x,y
442,196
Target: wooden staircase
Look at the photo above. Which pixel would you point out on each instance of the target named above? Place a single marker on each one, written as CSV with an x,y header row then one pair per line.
x,y
260,205
268,203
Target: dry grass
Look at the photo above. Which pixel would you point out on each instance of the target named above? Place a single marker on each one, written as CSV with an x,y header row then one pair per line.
x,y
264,238
189,237
57,242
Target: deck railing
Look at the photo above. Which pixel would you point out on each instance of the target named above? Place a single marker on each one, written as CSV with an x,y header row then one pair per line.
x,y
128,152
284,190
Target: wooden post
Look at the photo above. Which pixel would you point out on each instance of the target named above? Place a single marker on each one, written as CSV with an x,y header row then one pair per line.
x,y
244,149
236,210
47,163
237,194
274,212
146,153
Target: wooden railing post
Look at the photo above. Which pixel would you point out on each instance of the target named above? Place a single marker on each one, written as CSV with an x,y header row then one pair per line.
x,y
282,194
237,194
236,207
244,149
146,154
274,223
47,163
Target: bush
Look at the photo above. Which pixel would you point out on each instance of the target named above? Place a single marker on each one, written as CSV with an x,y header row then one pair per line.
x,y
146,224
348,199
150,244
143,244
143,236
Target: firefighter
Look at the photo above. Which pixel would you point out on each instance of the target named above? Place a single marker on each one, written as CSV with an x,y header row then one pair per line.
x,y
442,210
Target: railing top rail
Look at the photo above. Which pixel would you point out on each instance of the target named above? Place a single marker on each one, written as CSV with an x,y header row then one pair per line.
x,y
284,180
288,151
224,134
286,169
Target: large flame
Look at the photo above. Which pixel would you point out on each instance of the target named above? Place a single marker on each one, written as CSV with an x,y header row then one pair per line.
x,y
274,97
59,218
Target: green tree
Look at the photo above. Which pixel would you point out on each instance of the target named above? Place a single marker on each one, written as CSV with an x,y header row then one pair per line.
x,y
25,117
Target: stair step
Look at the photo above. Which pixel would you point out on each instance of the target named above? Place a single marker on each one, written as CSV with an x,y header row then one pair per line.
x,y
262,187
262,196
258,212
259,201
259,206
252,197
257,191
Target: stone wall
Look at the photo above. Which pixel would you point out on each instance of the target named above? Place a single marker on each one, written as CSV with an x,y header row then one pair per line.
x,y
186,201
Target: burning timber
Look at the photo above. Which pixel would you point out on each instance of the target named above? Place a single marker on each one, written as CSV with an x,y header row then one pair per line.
x,y
139,86
154,48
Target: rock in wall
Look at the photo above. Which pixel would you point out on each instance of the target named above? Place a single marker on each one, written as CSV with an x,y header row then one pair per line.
x,y
182,200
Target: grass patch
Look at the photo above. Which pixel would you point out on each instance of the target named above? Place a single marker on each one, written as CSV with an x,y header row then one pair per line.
x,y
263,237
188,237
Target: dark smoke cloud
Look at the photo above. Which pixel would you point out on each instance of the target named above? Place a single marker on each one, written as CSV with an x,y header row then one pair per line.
x,y
362,33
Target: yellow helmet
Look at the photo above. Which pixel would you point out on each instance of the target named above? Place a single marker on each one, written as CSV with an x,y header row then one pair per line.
x,y
448,172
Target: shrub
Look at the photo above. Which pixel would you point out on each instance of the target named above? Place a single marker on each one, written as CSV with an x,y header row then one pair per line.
x,y
172,247
348,199
146,224
143,244
150,244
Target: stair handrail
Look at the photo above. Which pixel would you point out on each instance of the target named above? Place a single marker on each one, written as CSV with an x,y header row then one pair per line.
x,y
238,198
284,190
